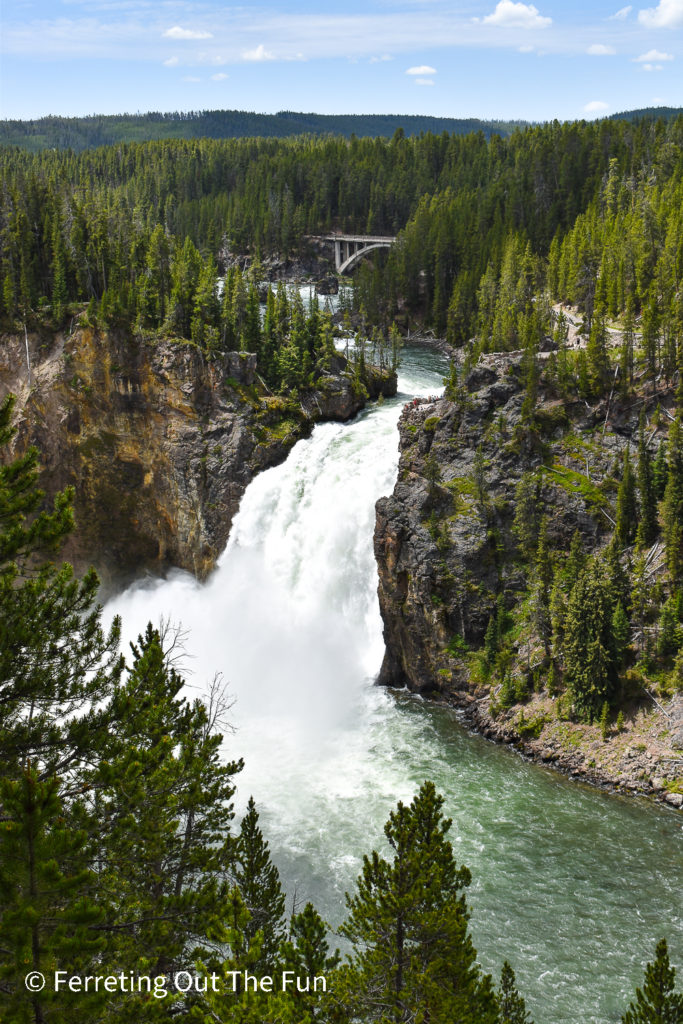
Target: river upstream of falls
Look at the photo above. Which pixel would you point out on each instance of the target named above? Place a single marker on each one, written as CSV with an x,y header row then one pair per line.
x,y
572,885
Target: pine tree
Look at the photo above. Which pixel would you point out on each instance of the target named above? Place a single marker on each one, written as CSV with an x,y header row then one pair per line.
x,y
647,523
55,660
657,1002
526,521
258,881
670,631
660,471
590,647
596,353
624,529
511,1006
47,912
432,472
650,334
307,955
626,354
672,507
162,796
543,579
621,629
413,956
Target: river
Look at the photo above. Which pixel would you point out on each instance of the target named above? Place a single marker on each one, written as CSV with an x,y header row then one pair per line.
x,y
572,885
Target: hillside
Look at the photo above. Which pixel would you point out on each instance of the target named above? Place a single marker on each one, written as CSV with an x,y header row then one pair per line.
x,y
79,133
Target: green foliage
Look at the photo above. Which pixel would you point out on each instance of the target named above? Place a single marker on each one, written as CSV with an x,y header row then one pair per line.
x,y
408,926
527,515
48,912
258,881
55,660
590,646
511,1006
626,515
657,1002
163,801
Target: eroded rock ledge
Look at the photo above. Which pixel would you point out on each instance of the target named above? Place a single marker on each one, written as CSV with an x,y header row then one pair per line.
x,y
444,553
158,443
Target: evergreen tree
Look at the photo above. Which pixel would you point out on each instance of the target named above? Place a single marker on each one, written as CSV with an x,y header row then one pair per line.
x,y
657,1002
622,632
626,353
647,523
540,598
306,954
162,797
660,472
526,521
258,881
55,660
47,912
590,647
672,508
625,525
511,1006
413,956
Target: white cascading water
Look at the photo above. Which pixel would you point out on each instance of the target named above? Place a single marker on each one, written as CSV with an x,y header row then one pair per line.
x,y
290,618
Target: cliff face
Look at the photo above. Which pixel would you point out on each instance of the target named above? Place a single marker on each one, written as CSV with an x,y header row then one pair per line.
x,y
443,541
158,444
446,549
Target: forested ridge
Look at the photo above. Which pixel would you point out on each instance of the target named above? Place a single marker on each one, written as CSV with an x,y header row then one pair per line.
x,y
118,849
79,133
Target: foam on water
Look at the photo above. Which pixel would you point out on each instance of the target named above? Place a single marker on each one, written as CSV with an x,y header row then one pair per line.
x,y
571,885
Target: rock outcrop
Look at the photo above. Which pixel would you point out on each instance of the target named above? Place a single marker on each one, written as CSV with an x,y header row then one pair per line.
x,y
158,443
447,552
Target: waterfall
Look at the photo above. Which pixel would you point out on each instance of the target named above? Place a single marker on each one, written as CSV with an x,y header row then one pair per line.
x,y
290,618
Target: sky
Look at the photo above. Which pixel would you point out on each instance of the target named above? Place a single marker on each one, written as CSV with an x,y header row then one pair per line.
x,y
448,58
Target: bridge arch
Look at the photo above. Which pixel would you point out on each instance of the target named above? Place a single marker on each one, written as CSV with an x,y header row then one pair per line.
x,y
350,249
357,256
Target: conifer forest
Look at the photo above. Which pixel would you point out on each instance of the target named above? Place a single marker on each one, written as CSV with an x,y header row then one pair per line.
x,y
546,262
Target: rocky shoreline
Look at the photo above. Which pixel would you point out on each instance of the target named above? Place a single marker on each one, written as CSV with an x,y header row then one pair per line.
x,y
633,767
444,549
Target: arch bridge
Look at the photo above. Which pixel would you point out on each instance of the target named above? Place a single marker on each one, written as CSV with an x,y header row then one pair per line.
x,y
350,249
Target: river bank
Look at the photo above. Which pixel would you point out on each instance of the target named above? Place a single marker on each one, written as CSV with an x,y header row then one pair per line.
x,y
291,621
446,545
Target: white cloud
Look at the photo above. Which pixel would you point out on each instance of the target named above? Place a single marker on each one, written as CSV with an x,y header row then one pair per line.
x,y
517,15
260,53
380,60
424,81
171,62
652,55
595,105
191,78
220,77
421,69
653,67
666,14
621,15
600,50
186,33
525,49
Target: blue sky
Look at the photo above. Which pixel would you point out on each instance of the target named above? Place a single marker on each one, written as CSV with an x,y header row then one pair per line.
x,y
485,58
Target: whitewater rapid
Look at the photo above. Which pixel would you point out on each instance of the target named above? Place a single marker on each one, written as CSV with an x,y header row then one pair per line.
x,y
572,885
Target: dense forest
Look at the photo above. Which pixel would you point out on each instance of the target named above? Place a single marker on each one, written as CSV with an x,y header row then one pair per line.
x,y
119,859
117,844
78,133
